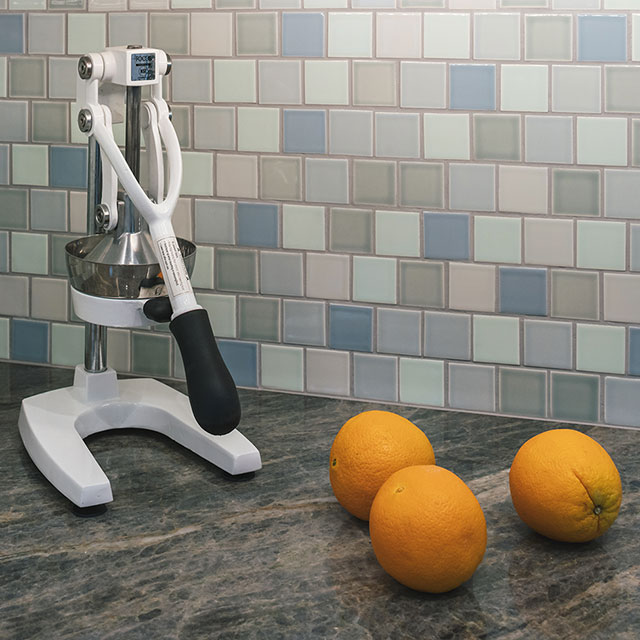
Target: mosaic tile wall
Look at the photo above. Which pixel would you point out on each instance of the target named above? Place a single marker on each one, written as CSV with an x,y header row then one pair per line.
x,y
431,202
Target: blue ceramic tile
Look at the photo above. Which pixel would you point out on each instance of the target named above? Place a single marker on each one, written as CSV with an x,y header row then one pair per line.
x,y
523,291
12,33
4,251
446,235
4,164
304,131
29,340
472,387
548,344
257,224
634,351
304,322
302,34
602,38
68,167
241,359
472,86
448,335
350,328
375,377
622,402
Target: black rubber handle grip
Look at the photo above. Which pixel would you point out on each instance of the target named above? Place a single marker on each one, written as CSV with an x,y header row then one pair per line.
x,y
212,391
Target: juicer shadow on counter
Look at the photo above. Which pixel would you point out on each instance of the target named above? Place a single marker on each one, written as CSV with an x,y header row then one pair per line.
x,y
132,272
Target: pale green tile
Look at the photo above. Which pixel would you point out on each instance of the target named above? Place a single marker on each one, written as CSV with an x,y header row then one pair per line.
x,y
222,313
27,77
350,35
30,164
446,136
197,173
151,354
600,348
326,81
257,34
497,239
67,344
397,233
282,367
259,319
170,32
50,122
258,129
4,338
234,80
496,339
29,253
523,392
236,270
86,32
374,182
3,77
303,227
374,279
524,87
602,140
202,276
422,381
421,184
191,4
601,245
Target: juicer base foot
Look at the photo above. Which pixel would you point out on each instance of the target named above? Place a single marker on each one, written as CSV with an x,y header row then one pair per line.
x,y
53,426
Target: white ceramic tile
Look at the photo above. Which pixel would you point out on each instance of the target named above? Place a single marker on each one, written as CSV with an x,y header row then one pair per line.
x,y
350,35
496,36
398,35
602,140
446,35
524,87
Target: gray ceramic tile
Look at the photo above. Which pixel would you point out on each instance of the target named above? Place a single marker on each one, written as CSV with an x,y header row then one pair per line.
x,y
48,210
280,81
257,34
4,251
170,32
127,28
351,230
50,122
496,36
49,299
548,344
621,193
13,208
191,81
14,293
214,127
375,377
549,139
119,349
151,354
423,85
472,387
58,260
398,135
214,222
576,192
281,273
621,89
62,77
399,331
46,33
374,83
259,319
496,137
548,37
447,335
635,142
574,294
181,120
374,182
304,322
523,392
421,184
327,180
351,132
328,276
576,89
472,287
621,401
328,372
13,121
472,187
621,297
421,284
548,242
280,178
4,164
575,397
236,270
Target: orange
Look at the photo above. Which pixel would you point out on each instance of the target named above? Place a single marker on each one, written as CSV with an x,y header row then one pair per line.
x,y
565,486
427,529
367,450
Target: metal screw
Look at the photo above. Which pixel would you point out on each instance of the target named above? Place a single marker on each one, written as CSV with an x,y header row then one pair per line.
x,y
85,120
102,216
85,67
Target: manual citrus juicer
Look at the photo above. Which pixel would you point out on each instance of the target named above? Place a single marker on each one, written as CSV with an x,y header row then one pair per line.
x,y
132,272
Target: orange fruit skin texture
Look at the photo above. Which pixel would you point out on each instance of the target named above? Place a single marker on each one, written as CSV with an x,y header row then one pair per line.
x,y
427,529
367,450
565,486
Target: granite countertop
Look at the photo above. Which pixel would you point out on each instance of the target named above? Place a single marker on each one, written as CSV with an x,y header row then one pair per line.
x,y
183,552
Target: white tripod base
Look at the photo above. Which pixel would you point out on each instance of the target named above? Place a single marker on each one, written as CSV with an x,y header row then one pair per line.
x,y
53,425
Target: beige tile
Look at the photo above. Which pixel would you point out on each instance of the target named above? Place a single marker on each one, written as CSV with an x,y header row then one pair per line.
x,y
280,178
374,83
472,287
621,297
328,276
548,242
523,189
237,176
212,34
49,298
119,349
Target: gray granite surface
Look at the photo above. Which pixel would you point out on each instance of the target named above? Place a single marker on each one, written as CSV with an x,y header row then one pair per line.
x,y
183,552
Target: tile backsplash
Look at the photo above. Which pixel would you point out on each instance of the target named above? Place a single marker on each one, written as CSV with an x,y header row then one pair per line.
x,y
431,202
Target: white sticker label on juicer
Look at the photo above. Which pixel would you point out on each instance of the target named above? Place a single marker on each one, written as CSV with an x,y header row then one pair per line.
x,y
175,273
